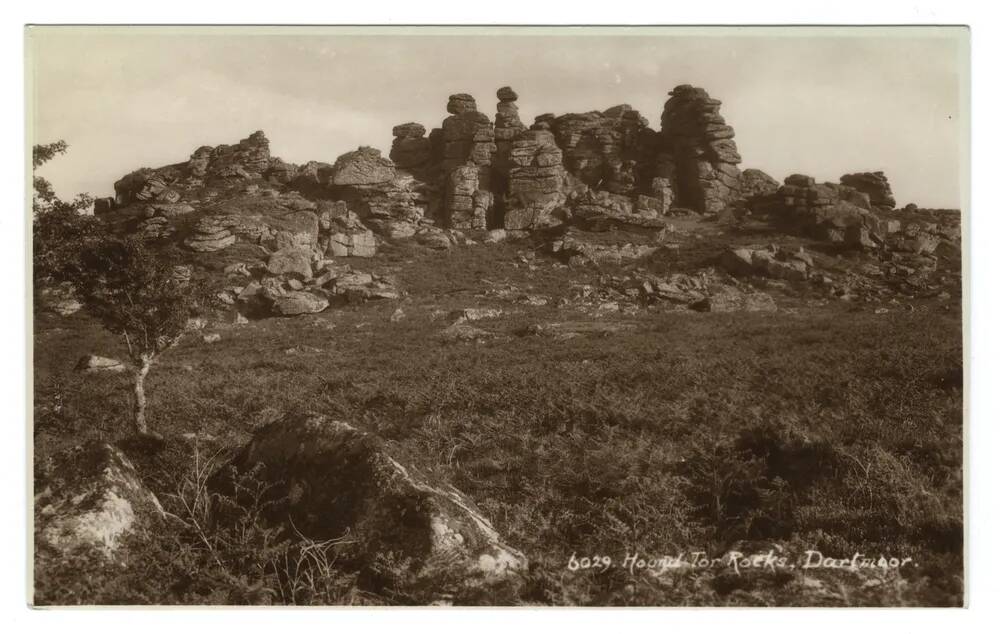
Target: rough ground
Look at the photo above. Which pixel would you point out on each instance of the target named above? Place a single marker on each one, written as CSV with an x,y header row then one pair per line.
x,y
582,421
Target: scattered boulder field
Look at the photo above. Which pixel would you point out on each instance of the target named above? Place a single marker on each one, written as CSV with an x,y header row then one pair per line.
x,y
579,184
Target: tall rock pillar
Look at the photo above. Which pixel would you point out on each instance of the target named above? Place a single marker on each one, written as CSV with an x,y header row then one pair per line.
x,y
701,147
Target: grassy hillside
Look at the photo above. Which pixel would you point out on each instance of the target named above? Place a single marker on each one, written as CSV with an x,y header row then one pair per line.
x,y
581,429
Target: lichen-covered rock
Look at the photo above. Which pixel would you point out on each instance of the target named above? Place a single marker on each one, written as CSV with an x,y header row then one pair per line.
x,y
90,498
291,261
332,479
755,183
346,236
294,230
364,166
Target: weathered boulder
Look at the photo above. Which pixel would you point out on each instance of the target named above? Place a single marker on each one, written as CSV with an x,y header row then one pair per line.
x,y
460,103
729,299
290,303
291,261
411,150
364,166
60,299
875,185
357,286
474,314
358,244
248,158
90,498
332,479
576,248
460,331
170,210
755,183
128,187
772,262
95,363
676,288
371,187
295,229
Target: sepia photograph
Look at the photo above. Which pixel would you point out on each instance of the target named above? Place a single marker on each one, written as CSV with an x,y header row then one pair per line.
x,y
497,316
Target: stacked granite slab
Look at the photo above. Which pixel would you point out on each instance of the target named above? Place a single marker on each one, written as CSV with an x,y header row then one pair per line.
x,y
467,147
606,150
411,150
381,196
831,212
701,147
535,181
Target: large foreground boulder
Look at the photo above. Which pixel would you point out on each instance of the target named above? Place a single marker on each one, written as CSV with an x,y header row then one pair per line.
x,y
90,498
331,479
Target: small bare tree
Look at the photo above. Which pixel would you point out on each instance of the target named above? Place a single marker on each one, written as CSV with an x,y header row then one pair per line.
x,y
140,296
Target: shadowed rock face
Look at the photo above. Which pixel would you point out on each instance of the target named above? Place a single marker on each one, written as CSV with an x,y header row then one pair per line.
x,y
605,150
340,480
411,150
875,185
702,150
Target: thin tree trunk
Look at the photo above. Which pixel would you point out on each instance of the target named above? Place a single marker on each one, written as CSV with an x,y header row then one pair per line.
x,y
140,393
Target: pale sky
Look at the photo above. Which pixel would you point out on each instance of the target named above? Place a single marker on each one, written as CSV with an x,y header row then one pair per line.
x,y
812,102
